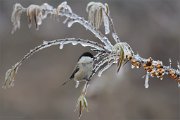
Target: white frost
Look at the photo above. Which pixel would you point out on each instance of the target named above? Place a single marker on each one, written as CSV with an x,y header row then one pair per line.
x,y
147,81
105,68
106,23
115,37
61,46
45,42
70,23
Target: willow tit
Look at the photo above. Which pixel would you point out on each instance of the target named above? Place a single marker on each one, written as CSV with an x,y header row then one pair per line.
x,y
83,69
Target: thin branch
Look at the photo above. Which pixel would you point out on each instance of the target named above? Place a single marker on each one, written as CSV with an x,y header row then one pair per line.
x,y
88,26
155,68
114,33
11,73
104,60
109,64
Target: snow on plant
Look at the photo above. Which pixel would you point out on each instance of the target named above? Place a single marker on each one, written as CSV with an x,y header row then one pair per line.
x,y
106,54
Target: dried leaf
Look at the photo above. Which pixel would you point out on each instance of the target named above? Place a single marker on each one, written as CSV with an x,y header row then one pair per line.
x,y
82,104
121,58
85,103
98,20
80,108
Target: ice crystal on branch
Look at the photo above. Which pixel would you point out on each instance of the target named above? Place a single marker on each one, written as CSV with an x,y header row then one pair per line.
x,y
106,54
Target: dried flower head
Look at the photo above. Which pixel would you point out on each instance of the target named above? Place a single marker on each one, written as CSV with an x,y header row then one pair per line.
x,y
34,12
98,13
38,13
10,76
18,9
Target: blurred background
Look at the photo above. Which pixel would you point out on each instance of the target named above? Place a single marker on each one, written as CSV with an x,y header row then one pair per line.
x,y
151,27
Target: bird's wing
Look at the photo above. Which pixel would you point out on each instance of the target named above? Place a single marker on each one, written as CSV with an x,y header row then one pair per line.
x,y
75,70
72,76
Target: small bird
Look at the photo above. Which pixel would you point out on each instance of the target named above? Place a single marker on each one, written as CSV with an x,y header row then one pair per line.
x,y
83,69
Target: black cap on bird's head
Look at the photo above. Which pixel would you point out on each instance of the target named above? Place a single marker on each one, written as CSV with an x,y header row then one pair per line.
x,y
86,54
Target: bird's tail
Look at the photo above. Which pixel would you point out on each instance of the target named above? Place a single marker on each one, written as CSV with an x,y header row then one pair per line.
x,y
65,82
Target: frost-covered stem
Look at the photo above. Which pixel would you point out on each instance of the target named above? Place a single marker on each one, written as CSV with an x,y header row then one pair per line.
x,y
74,41
114,33
101,63
155,68
88,26
105,67
10,74
82,101
99,55
84,90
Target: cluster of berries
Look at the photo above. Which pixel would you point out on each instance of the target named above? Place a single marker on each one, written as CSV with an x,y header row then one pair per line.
x,y
155,68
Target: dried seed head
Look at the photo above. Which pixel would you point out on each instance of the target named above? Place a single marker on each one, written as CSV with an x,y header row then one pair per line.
x,y
172,74
98,13
18,9
153,73
159,64
135,63
38,13
149,62
10,76
34,13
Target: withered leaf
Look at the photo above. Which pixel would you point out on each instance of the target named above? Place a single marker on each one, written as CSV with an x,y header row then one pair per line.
x,y
121,58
